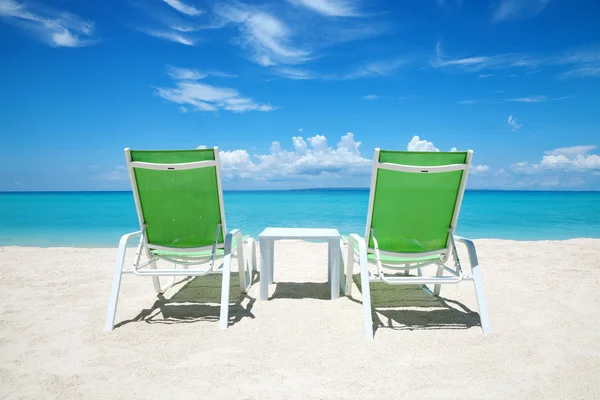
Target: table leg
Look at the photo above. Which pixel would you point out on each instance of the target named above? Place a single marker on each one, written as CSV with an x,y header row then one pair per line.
x,y
329,262
334,269
265,269
271,260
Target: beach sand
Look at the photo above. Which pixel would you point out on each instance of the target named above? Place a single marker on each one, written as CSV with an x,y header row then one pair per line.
x,y
543,299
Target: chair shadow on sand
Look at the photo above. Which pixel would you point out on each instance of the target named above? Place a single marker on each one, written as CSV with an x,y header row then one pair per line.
x,y
197,299
408,307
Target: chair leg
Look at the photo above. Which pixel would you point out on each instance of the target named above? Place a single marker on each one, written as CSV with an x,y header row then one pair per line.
x,y
349,267
224,318
436,288
481,304
156,280
114,292
366,294
241,265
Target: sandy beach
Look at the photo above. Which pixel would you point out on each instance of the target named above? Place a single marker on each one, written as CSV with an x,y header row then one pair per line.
x,y
543,300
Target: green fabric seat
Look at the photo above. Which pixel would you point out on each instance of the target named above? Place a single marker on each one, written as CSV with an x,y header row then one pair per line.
x,y
193,254
398,259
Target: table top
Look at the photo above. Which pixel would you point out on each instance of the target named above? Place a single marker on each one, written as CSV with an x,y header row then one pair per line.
x,y
300,233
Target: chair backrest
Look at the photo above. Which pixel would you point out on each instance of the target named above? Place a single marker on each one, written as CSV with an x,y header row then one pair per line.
x,y
178,197
415,200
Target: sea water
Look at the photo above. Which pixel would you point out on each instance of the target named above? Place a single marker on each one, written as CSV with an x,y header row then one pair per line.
x,y
98,219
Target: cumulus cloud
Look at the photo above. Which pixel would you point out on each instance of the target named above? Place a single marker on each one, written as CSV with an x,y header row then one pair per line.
x,y
416,144
310,157
479,169
513,123
564,159
57,28
188,91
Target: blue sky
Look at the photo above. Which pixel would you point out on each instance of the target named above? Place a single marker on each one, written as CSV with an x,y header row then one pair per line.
x,y
298,93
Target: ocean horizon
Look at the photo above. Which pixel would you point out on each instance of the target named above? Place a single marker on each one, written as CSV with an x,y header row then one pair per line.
x,y
99,218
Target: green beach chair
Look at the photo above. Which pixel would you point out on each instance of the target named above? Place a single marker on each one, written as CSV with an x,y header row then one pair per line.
x,y
179,204
414,204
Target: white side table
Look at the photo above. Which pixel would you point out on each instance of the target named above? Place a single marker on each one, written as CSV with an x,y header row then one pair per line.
x,y
267,249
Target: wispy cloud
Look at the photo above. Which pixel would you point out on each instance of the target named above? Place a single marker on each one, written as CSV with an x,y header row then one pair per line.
x,y
373,69
478,63
513,123
525,99
204,97
57,28
330,8
184,8
514,9
531,99
583,71
170,36
571,151
366,70
268,37
371,97
580,63
294,73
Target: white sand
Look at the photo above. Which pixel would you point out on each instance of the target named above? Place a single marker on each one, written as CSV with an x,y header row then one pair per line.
x,y
545,341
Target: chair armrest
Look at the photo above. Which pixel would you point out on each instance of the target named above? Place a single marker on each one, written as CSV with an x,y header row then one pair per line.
x,y
473,259
125,238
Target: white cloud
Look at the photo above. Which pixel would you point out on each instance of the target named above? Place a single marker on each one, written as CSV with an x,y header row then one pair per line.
x,y
565,159
294,73
299,129
416,144
377,68
268,37
366,70
483,76
479,169
330,8
202,147
309,159
171,36
571,151
583,71
530,99
184,8
185,73
204,97
371,97
513,123
580,63
57,28
513,9
120,173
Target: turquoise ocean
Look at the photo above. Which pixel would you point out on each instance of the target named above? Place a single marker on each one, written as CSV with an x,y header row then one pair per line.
x,y
98,219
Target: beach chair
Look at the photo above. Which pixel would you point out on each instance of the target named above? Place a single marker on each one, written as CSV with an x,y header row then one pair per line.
x,y
179,205
414,204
